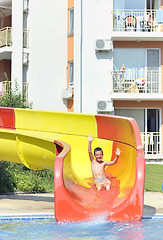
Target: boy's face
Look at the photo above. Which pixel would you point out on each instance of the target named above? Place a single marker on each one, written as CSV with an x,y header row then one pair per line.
x,y
98,156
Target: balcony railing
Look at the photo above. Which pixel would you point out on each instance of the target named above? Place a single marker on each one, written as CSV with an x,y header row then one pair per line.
x,y
6,37
6,87
25,38
135,20
151,142
136,81
25,91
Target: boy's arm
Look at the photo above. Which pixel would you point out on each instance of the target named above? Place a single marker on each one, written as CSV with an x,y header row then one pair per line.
x,y
118,152
90,139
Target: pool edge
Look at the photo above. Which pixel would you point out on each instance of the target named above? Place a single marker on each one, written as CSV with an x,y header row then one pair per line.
x,y
28,216
40,216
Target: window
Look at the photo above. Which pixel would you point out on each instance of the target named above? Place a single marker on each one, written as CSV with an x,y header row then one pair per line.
x,y
26,5
148,121
71,21
152,4
71,73
153,66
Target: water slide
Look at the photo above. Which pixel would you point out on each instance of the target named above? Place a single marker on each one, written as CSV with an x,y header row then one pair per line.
x,y
54,140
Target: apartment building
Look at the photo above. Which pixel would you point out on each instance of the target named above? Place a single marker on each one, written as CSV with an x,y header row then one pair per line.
x,y
118,64
137,83
33,50
96,56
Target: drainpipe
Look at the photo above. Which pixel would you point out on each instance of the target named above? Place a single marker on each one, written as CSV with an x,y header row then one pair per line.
x,y
81,59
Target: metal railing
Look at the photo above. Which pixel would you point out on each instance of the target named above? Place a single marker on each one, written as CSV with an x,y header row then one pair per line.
x,y
151,142
25,38
135,20
25,91
6,37
6,87
136,81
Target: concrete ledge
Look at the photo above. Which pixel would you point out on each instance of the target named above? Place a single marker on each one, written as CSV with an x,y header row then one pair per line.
x,y
43,204
27,203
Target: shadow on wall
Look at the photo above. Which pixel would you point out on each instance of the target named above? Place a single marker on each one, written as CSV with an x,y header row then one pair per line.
x,y
104,54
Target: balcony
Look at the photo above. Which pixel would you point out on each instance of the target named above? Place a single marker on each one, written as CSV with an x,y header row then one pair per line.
x,y
137,84
25,91
25,38
136,25
151,142
6,87
6,37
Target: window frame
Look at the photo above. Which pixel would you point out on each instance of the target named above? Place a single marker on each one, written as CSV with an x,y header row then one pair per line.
x,y
71,22
71,73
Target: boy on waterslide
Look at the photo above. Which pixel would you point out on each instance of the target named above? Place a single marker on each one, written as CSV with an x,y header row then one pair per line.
x,y
98,166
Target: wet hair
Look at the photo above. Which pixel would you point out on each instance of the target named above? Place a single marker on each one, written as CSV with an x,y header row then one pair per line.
x,y
98,149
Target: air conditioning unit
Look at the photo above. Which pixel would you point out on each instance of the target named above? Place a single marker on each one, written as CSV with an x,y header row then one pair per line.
x,y
105,106
67,93
103,45
25,58
25,5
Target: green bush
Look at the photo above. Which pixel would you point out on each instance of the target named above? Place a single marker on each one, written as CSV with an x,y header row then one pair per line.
x,y
13,97
7,181
16,177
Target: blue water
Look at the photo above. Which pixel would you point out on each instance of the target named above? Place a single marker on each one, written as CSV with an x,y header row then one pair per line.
x,y
49,229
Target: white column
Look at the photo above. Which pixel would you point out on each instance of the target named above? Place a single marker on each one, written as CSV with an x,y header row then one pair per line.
x,y
17,42
77,57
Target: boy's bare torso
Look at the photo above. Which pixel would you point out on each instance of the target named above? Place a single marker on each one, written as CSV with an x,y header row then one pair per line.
x,y
98,169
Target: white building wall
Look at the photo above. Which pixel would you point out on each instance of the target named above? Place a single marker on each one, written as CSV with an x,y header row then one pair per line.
x,y
47,25
17,43
92,79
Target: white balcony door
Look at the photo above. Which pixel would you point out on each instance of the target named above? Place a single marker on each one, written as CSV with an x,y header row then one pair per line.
x,y
153,59
153,70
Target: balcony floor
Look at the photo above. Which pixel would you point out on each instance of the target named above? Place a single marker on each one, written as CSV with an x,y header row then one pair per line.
x,y
136,36
154,158
137,96
5,53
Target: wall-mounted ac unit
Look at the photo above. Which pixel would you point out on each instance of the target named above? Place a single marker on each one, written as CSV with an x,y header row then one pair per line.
x,y
25,5
105,106
103,45
67,93
25,58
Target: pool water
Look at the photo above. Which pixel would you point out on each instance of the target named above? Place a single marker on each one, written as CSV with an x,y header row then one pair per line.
x,y
49,228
